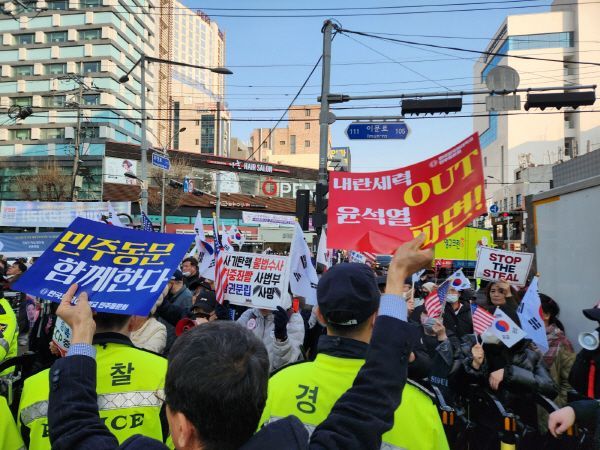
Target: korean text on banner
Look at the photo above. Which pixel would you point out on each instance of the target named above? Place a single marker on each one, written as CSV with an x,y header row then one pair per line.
x,y
268,219
437,197
257,280
62,336
54,214
122,270
494,265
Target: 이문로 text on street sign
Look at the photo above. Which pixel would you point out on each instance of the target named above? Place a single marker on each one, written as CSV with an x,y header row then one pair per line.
x,y
385,130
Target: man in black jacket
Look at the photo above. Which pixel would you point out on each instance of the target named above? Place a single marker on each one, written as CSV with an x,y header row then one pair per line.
x,y
217,384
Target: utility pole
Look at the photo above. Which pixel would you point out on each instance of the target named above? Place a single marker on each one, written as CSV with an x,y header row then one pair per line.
x,y
218,130
323,182
77,144
218,205
324,114
144,143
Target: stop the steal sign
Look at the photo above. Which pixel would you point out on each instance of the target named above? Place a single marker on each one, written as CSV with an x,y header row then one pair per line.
x,y
495,265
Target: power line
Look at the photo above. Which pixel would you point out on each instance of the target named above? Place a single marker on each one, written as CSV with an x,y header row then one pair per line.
x,y
361,14
459,49
369,8
288,108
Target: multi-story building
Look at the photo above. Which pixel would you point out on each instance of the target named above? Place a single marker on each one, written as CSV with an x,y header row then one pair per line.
x,y
296,145
566,34
48,58
190,97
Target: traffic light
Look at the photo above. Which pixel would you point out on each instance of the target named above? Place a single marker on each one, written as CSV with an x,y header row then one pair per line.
x,y
320,214
431,106
302,204
559,100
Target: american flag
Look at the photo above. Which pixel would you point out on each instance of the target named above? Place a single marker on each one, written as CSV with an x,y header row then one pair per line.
x,y
146,223
482,319
434,302
220,269
372,257
221,278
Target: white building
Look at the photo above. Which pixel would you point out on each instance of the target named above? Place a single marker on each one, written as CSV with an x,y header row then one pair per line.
x,y
568,33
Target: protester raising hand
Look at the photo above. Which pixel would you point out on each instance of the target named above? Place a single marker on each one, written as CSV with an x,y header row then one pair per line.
x,y
408,259
78,316
440,330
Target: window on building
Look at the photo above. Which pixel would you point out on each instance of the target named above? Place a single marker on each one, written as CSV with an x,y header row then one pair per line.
x,y
519,199
569,121
197,123
91,66
90,132
21,134
307,112
24,71
90,3
56,69
518,175
197,141
505,204
52,133
292,144
21,101
58,4
570,147
281,142
57,36
91,99
307,143
545,40
307,125
54,100
25,39
485,161
88,35
207,134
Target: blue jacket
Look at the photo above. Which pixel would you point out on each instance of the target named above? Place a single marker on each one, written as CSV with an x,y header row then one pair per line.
x,y
357,420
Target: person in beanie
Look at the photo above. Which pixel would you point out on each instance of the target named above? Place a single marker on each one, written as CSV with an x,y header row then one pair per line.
x,y
348,300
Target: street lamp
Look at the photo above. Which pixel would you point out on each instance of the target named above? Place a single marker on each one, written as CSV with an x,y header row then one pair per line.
x,y
144,144
164,180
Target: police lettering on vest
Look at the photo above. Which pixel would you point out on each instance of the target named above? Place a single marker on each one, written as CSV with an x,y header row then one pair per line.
x,y
309,391
130,387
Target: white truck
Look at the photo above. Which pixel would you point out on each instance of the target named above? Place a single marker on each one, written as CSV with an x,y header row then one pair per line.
x,y
565,233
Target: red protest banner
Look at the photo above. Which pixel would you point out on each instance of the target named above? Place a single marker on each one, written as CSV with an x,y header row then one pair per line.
x,y
378,211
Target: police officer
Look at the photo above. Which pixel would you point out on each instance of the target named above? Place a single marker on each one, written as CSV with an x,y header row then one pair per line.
x,y
9,434
9,333
348,299
130,383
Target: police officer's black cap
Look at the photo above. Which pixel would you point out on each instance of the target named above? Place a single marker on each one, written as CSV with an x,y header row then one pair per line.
x,y
348,294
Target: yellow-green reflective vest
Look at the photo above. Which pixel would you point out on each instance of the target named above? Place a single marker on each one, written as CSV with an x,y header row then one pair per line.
x,y
9,333
130,387
10,439
309,391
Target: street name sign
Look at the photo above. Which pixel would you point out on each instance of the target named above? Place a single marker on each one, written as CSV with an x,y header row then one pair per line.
x,y
370,130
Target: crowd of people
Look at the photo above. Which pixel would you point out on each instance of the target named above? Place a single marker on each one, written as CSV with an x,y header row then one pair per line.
x,y
367,367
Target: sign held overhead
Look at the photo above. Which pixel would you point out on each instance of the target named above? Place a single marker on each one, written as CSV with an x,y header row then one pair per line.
x,y
495,265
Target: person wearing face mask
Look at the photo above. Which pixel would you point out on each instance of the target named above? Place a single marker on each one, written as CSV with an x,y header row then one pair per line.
x,y
457,314
191,277
515,374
